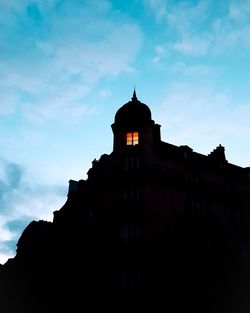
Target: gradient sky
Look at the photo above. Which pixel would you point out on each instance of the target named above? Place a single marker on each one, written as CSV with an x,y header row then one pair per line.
x,y
66,66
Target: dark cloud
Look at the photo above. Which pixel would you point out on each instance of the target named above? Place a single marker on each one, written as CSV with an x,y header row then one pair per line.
x,y
8,246
10,182
17,189
21,201
16,225
3,191
14,174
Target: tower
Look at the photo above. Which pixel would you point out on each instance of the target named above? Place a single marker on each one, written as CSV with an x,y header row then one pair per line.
x,y
134,129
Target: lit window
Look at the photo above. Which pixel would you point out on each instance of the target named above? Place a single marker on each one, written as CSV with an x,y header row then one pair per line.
x,y
132,139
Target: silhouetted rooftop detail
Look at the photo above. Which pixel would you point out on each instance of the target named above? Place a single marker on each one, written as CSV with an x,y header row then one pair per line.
x,y
134,95
133,113
218,154
32,237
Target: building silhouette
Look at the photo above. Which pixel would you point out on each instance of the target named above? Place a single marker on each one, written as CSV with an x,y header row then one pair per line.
x,y
151,218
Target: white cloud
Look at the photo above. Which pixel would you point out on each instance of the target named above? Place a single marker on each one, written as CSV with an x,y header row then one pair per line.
x,y
183,21
185,16
64,102
194,70
8,102
159,8
192,46
63,56
203,27
105,93
203,117
159,53
240,10
109,55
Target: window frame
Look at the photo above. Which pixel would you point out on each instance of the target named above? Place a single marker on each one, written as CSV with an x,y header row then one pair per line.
x,y
132,138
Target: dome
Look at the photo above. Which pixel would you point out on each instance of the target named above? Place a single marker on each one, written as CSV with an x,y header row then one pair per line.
x,y
133,113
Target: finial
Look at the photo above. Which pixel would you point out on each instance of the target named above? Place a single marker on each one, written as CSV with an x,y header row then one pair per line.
x,y
134,95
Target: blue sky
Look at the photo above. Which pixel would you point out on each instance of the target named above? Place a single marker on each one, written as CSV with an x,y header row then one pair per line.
x,y
67,66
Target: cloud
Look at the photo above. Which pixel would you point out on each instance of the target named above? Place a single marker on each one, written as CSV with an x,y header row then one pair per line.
x,y
240,10
203,27
64,49
8,101
15,225
191,45
10,179
7,248
159,53
159,8
14,174
21,201
194,70
203,117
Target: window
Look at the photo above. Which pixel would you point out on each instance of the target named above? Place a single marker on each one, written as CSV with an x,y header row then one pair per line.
x,y
198,208
132,139
131,277
131,162
131,232
131,195
192,178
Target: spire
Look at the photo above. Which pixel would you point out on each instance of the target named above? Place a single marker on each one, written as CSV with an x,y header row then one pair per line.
x,y
134,95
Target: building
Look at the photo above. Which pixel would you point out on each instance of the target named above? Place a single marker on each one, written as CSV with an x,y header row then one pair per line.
x,y
150,216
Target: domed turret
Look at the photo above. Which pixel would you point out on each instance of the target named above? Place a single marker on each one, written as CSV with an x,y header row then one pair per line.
x,y
134,129
133,113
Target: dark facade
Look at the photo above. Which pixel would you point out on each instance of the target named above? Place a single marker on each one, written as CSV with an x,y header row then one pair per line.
x,y
151,216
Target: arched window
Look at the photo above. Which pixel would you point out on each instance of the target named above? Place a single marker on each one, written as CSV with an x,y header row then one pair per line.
x,y
132,139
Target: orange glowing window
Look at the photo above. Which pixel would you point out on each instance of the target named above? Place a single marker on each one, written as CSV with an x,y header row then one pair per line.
x,y
132,139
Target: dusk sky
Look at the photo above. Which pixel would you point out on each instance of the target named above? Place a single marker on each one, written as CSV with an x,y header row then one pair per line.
x,y
66,66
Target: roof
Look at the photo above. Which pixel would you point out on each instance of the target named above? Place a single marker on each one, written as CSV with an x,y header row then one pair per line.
x,y
133,113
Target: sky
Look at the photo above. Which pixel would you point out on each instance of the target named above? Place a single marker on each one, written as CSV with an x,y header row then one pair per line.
x,y
66,66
